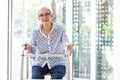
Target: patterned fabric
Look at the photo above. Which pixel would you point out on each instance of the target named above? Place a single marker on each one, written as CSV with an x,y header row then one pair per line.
x,y
53,44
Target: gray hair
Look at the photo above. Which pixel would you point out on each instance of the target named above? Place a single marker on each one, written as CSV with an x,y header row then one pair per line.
x,y
50,11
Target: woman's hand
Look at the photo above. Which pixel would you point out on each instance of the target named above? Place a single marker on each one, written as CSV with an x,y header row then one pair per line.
x,y
26,46
68,46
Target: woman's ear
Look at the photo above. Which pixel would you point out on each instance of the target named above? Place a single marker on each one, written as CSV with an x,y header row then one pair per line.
x,y
51,16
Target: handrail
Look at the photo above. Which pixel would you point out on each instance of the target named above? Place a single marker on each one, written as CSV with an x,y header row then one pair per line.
x,y
44,55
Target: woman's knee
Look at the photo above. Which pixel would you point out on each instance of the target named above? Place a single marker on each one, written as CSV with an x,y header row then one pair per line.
x,y
58,72
35,76
36,73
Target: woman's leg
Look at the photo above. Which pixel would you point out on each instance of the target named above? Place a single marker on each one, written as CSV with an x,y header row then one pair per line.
x,y
39,72
58,72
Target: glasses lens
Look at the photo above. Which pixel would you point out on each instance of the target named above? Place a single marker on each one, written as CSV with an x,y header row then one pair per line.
x,y
44,15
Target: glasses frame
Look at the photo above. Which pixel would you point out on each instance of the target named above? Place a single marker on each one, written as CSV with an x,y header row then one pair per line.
x,y
44,15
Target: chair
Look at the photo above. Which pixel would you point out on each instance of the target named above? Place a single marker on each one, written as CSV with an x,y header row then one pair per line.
x,y
27,56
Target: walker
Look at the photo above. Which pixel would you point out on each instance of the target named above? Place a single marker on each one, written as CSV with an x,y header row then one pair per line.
x,y
28,55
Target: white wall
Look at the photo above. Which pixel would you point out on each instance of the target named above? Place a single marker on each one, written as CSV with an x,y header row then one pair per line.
x,y
3,38
116,40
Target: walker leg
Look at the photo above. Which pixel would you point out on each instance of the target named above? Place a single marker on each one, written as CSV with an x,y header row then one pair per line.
x,y
67,67
27,67
22,65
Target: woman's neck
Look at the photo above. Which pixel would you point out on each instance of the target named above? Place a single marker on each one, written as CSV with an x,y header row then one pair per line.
x,y
46,29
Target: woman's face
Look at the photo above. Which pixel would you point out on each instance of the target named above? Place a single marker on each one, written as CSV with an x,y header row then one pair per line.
x,y
44,15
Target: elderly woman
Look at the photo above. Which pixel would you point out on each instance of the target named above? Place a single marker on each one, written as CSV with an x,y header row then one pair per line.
x,y
48,38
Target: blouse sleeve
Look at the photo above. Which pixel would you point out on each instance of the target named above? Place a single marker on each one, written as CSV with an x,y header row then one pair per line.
x,y
33,42
64,37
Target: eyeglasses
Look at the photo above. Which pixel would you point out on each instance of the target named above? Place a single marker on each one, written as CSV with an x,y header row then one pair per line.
x,y
44,15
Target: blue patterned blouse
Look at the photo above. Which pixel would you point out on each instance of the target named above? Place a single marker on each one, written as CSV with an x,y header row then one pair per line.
x,y
53,44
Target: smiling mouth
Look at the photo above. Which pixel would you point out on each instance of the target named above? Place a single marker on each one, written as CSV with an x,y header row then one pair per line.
x,y
45,20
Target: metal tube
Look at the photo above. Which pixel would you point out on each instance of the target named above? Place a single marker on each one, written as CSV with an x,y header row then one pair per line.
x,y
22,64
